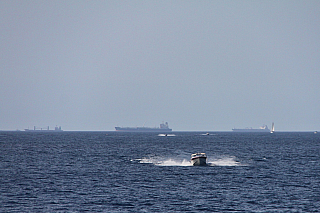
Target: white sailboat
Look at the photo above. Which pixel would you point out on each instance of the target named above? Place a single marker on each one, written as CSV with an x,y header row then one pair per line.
x,y
272,128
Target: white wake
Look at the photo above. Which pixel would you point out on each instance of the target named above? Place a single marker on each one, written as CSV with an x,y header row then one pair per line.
x,y
166,135
222,161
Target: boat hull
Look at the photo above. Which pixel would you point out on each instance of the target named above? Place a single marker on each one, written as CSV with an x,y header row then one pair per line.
x,y
199,161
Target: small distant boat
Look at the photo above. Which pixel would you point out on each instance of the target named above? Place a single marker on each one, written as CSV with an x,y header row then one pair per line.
x,y
272,128
315,132
166,135
199,159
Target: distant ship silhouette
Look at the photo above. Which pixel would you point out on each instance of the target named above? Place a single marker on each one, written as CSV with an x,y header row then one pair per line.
x,y
263,128
164,127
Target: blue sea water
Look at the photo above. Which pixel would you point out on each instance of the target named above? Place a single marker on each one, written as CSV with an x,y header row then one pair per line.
x,y
150,172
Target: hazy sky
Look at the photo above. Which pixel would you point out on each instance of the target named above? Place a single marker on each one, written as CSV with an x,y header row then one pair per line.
x,y
199,65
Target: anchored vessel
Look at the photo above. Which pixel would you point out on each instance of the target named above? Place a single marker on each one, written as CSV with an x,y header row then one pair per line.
x,y
199,159
263,128
164,127
56,129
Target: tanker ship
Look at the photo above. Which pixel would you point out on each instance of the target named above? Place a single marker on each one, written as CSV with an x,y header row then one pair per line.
x,y
164,127
263,128
56,129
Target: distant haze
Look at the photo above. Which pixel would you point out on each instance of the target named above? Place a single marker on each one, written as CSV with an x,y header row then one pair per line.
x,y
199,65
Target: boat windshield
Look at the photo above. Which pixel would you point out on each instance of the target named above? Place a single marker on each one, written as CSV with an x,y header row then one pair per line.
x,y
199,155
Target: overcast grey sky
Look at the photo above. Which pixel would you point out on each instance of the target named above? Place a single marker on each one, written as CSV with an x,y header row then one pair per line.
x,y
199,65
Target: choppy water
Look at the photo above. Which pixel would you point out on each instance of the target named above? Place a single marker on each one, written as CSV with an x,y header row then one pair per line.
x,y
133,172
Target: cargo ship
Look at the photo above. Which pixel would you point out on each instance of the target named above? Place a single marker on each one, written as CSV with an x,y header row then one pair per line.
x,y
56,129
164,127
263,128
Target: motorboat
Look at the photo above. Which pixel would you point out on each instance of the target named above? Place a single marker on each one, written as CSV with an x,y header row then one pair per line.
x,y
199,159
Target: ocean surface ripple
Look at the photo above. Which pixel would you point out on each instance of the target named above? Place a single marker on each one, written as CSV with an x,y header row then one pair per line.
x,y
142,172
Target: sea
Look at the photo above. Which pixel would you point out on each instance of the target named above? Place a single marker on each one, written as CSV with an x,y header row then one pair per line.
x,y
151,172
